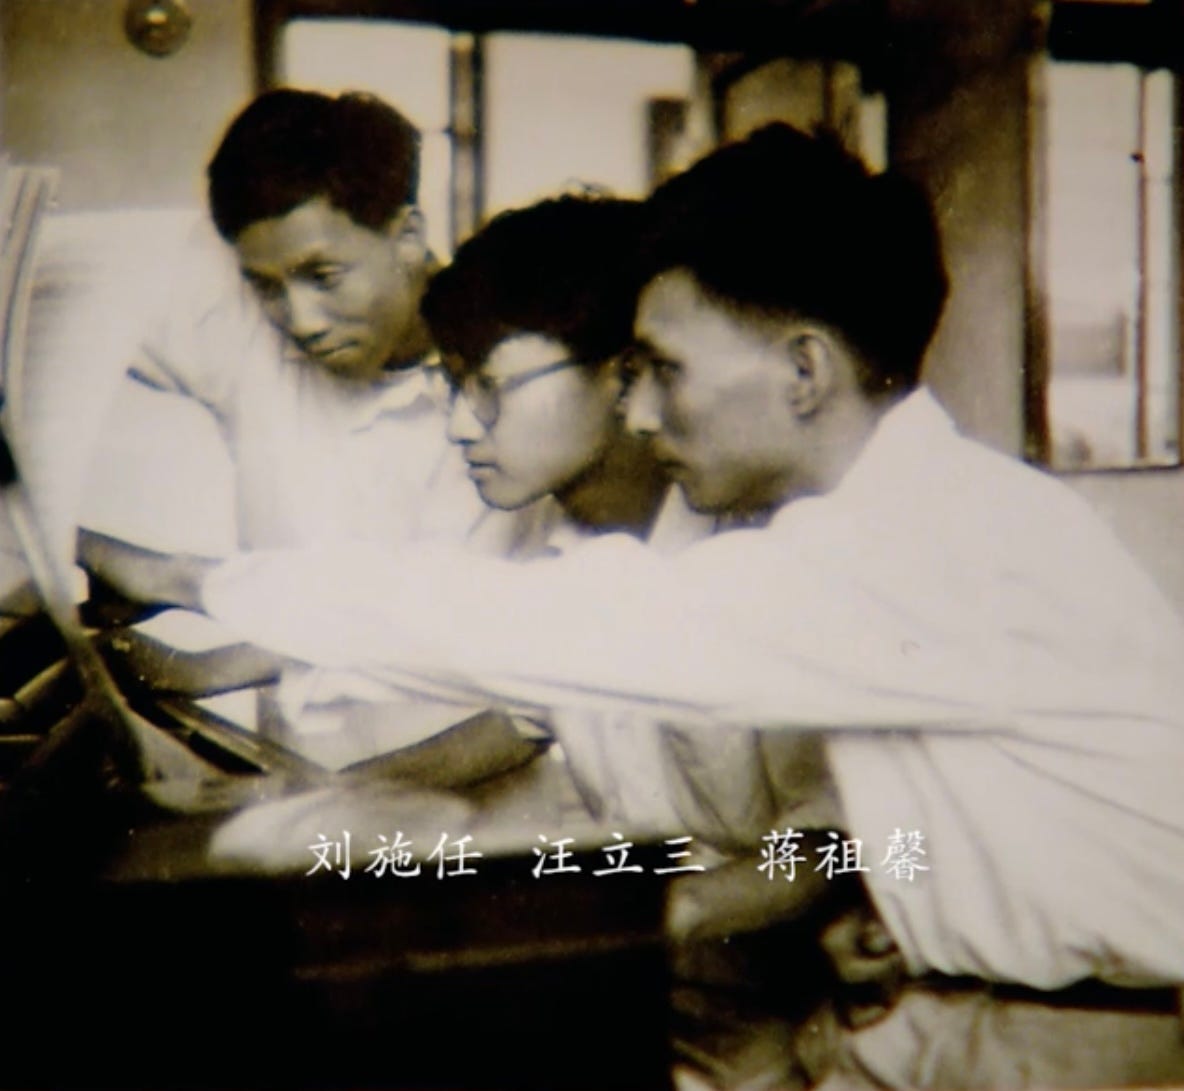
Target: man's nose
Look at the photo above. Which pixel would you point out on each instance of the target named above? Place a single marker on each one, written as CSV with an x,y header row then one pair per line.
x,y
643,406
304,315
463,425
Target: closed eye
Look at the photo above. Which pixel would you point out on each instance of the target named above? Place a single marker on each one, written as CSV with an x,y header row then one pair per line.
x,y
665,371
485,383
264,286
323,276
630,365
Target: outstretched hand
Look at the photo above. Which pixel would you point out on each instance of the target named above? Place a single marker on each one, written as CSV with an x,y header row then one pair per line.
x,y
867,962
143,575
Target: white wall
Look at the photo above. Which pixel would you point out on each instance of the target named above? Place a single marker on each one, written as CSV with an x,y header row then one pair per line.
x,y
128,132
403,64
125,128
564,111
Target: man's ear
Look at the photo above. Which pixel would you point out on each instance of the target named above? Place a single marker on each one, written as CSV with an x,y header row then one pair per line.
x,y
811,358
409,229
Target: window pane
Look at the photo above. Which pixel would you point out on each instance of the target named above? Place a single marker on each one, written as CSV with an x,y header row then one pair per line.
x,y
404,64
562,110
1111,234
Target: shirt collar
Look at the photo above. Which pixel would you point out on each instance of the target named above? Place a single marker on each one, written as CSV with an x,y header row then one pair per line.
x,y
905,438
408,390
907,435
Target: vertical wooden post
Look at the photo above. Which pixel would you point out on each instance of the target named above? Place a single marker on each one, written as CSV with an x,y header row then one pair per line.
x,y
467,196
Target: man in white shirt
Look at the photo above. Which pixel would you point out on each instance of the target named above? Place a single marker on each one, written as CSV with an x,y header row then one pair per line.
x,y
300,332
998,684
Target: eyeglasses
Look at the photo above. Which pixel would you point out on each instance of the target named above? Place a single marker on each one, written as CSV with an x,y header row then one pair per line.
x,y
484,392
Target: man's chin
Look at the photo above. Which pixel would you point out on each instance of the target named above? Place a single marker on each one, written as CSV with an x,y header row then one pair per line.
x,y
696,497
348,364
495,494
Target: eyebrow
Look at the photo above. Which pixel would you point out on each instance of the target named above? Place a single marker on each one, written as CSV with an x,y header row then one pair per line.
x,y
314,259
256,276
651,351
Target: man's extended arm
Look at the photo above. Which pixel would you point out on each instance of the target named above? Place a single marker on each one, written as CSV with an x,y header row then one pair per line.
x,y
144,575
167,669
741,635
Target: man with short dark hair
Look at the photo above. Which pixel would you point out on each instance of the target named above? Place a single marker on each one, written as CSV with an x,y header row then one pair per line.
x,y
997,683
354,150
312,357
299,330
729,262
532,318
317,196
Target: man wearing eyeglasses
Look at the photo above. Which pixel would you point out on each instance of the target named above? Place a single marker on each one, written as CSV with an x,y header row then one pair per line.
x,y
989,668
477,402
533,317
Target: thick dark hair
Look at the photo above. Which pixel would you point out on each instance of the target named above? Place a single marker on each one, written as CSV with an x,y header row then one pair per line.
x,y
789,225
561,268
288,147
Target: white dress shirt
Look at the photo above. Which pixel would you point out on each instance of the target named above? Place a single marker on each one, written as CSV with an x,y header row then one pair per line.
x,y
316,457
993,670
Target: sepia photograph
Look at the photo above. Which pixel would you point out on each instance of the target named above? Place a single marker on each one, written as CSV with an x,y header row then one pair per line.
x,y
569,545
